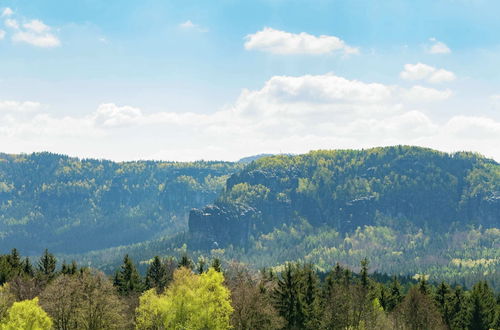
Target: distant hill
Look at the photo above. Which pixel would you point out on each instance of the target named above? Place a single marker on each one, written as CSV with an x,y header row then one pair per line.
x,y
75,205
249,159
401,187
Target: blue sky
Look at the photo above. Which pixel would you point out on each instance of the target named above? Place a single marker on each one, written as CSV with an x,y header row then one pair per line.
x,y
184,80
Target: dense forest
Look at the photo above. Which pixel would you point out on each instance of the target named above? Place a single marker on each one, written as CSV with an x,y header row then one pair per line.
x,y
410,210
206,294
71,205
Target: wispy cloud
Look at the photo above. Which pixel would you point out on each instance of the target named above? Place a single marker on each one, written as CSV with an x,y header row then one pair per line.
x,y
6,12
420,71
438,47
33,32
189,25
285,43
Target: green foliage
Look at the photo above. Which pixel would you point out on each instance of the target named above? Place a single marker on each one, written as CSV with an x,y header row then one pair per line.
x,y
190,302
71,205
26,315
128,280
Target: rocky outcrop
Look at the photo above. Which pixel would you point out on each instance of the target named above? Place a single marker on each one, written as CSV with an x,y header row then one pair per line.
x,y
216,226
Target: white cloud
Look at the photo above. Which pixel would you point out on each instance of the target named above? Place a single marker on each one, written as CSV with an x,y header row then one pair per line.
x,y
34,32
17,106
417,71
441,75
45,40
2,34
188,25
291,114
420,71
11,23
438,47
7,12
425,94
285,43
36,26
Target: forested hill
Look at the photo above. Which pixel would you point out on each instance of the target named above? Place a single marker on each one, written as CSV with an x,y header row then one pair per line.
x,y
70,205
398,187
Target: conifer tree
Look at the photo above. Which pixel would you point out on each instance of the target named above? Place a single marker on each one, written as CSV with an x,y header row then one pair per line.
x,y
395,296
128,279
14,259
28,268
185,262
459,310
216,265
156,276
483,307
201,265
47,265
287,298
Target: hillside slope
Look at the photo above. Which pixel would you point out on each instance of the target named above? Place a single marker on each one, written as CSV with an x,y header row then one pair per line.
x,y
399,187
70,205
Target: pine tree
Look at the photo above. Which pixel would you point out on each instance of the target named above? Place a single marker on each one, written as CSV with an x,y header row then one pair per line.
x,y
47,265
28,268
423,285
287,299
483,307
310,301
185,262
201,265
216,265
395,296
128,279
14,259
156,276
459,310
442,297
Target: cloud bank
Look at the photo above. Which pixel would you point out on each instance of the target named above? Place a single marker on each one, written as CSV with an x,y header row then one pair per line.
x,y
292,114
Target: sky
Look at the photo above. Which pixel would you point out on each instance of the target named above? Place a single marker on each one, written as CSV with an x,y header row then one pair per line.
x,y
220,80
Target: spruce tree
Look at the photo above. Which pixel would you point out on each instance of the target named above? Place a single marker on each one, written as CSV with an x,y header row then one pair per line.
x,y
201,265
128,279
47,265
483,307
217,265
185,262
395,296
156,276
459,310
287,298
28,268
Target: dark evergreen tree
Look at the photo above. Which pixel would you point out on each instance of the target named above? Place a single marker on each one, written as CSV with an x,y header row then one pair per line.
x,y
310,297
47,265
201,265
216,265
156,276
127,279
14,259
459,310
287,298
483,307
185,262
442,298
395,295
28,268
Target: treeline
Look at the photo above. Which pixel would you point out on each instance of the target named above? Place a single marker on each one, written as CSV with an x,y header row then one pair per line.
x,y
72,205
183,294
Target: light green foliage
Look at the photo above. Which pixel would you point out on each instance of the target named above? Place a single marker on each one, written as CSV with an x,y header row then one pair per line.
x,y
190,302
26,315
6,300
